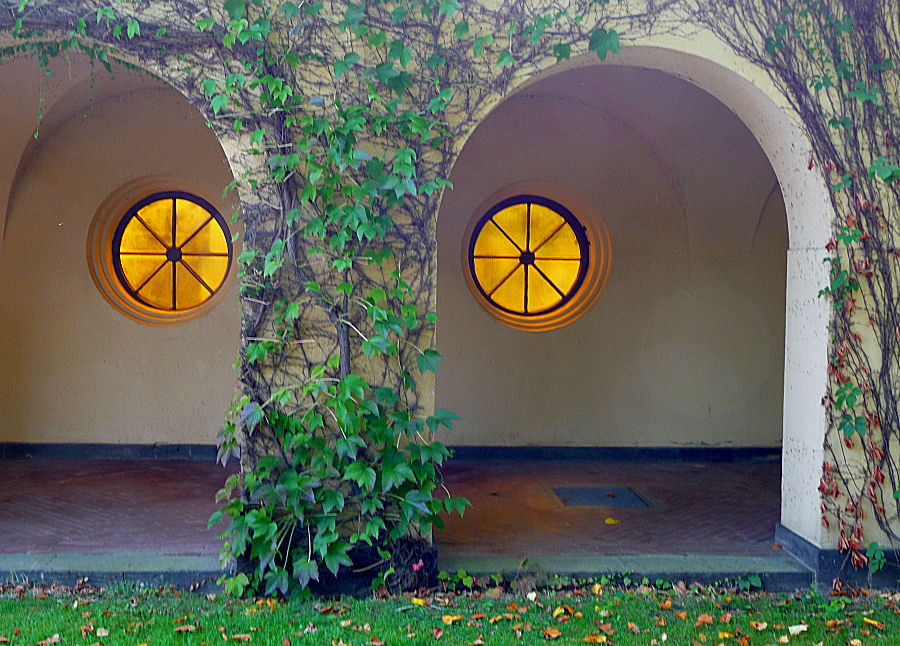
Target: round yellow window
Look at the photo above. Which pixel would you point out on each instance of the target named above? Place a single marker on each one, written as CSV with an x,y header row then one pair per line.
x,y
172,251
528,255
533,265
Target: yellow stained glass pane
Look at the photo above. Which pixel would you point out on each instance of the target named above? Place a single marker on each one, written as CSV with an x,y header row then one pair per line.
x,y
544,222
210,269
189,217
158,216
514,221
541,295
209,239
490,271
562,244
138,269
137,238
511,294
492,242
562,273
188,290
158,290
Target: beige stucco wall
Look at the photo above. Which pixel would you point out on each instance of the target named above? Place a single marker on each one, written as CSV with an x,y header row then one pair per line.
x,y
685,346
73,369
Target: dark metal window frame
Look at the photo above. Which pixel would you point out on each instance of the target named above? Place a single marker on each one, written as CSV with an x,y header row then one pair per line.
x,y
132,212
570,219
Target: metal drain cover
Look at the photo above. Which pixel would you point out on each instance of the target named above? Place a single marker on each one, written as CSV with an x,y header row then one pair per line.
x,y
621,497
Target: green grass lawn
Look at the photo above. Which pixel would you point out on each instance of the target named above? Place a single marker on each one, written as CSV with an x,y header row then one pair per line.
x,y
592,613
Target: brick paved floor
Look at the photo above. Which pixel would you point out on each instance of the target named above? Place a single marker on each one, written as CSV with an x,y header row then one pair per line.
x,y
706,508
90,506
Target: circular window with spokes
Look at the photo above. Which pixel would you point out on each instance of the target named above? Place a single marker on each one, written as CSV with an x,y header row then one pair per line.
x,y
172,251
528,256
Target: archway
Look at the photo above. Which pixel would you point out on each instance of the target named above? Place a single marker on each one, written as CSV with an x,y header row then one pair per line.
x,y
762,155
76,372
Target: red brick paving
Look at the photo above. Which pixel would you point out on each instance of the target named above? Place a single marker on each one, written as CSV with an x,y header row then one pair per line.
x,y
706,508
52,506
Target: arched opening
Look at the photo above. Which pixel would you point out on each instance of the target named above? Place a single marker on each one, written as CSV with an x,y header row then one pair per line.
x,y
76,371
713,229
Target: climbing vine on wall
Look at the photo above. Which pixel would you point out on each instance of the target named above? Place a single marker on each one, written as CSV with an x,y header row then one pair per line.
x,y
342,121
836,63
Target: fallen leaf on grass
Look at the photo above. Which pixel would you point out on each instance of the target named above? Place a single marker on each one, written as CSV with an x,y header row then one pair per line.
x,y
666,605
611,521
681,614
596,638
185,628
759,625
703,620
437,632
784,639
478,641
416,601
552,633
855,642
451,619
50,640
477,616
375,641
241,637
725,618
4,640
85,630
879,625
797,629
102,632
345,622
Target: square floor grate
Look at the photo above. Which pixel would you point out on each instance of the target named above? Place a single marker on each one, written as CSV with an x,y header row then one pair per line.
x,y
621,497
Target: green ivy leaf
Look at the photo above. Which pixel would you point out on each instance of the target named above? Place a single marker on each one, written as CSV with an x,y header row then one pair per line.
x,y
251,415
461,29
506,58
336,556
441,417
290,10
341,67
362,474
235,8
274,258
603,42
218,103
480,42
562,51
305,570
133,28
428,361
448,8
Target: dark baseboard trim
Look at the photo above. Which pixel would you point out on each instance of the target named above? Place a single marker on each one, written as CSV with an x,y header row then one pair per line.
x,y
678,453
827,564
27,450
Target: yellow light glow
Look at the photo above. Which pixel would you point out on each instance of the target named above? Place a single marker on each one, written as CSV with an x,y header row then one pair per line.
x,y
528,258
173,254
